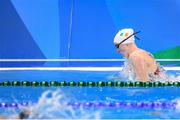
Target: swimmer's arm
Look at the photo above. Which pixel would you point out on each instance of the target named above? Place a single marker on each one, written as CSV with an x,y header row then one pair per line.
x,y
140,68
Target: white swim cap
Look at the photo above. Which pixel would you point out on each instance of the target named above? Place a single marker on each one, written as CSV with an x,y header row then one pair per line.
x,y
123,34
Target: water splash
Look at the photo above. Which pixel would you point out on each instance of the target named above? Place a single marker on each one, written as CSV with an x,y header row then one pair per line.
x,y
127,74
177,100
53,104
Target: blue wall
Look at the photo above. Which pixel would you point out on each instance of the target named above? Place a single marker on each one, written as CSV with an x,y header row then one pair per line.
x,y
43,28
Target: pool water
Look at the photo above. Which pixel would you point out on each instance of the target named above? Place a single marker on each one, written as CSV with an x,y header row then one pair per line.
x,y
51,102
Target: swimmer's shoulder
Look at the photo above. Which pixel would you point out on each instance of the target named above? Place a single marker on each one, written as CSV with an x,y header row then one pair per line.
x,y
136,57
136,54
143,53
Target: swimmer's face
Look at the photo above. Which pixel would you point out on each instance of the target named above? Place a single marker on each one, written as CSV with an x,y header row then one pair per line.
x,y
122,48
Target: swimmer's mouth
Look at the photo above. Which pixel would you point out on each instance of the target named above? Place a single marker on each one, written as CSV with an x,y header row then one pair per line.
x,y
117,45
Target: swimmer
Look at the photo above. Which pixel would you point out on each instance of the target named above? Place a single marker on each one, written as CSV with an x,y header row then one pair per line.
x,y
141,62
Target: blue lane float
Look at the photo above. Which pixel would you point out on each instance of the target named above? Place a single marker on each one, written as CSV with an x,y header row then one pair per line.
x,y
149,105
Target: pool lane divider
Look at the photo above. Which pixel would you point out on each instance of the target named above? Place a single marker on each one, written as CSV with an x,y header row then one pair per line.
x,y
148,105
88,84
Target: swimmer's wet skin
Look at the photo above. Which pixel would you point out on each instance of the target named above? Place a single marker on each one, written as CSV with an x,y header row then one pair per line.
x,y
142,63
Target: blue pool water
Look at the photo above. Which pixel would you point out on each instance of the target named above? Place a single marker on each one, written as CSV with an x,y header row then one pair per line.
x,y
52,105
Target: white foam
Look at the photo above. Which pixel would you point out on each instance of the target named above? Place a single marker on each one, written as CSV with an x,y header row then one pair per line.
x,y
53,105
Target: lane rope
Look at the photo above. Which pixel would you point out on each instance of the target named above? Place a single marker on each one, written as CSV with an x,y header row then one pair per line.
x,y
150,105
88,84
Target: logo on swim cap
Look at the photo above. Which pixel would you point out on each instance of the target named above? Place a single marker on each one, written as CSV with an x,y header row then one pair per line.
x,y
123,34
